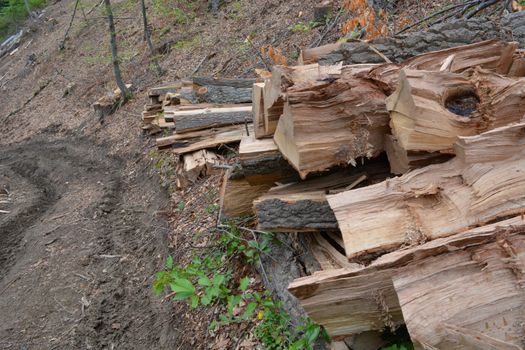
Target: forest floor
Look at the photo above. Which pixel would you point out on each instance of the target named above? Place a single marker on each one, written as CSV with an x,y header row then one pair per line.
x,y
88,223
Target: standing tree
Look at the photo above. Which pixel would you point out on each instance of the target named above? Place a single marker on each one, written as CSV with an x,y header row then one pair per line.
x,y
114,54
147,37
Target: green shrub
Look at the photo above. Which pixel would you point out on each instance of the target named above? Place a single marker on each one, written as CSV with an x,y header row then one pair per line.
x,y
12,13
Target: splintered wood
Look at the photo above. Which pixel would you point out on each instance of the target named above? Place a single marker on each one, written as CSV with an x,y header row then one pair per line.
x,y
462,273
439,248
438,200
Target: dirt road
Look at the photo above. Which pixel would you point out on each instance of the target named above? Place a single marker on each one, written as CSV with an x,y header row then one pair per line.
x,y
78,249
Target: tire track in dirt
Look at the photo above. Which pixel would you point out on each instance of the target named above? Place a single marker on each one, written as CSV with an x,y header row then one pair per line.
x,y
78,250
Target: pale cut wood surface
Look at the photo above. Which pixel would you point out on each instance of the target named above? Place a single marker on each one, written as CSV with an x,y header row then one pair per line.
x,y
432,202
472,298
493,55
401,161
353,300
421,122
237,196
332,124
258,110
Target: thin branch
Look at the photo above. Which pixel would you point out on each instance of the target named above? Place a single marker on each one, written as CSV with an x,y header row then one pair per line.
x,y
62,45
481,7
328,29
434,15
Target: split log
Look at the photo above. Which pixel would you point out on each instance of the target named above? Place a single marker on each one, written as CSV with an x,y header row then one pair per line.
x,y
197,140
262,163
237,195
302,206
326,254
493,55
193,120
430,109
402,161
438,200
467,299
285,77
353,300
332,124
199,163
518,66
258,110
296,212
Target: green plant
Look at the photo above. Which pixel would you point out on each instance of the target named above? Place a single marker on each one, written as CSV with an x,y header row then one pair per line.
x,y
12,12
206,280
304,27
187,44
212,208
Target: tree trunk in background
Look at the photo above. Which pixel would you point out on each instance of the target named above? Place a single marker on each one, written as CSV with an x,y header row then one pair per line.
x,y
116,68
29,14
147,37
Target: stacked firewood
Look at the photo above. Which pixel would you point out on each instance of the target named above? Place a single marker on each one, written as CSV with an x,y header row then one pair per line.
x,y
440,247
196,116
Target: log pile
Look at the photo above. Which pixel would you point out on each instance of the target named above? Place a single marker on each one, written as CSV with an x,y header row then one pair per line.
x,y
196,116
406,179
426,248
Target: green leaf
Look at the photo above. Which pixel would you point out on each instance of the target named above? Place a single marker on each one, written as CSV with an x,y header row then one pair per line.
x,y
243,284
206,300
182,288
218,279
312,334
250,308
194,301
204,281
169,262
233,301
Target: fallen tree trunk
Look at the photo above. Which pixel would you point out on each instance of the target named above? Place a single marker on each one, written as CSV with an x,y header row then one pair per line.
x,y
353,300
332,123
430,109
312,55
217,94
262,163
438,200
193,120
438,37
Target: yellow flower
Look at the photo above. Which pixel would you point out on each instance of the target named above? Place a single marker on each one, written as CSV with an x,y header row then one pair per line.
x,y
260,315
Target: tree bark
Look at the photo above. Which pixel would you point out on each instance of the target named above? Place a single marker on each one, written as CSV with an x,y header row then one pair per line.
x,y
114,53
147,38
